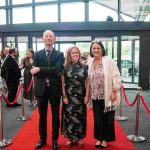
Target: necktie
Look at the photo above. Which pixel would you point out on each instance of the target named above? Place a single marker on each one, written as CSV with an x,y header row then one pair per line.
x,y
48,56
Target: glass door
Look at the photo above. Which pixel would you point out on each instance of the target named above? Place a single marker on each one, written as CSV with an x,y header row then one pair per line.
x,y
22,42
130,58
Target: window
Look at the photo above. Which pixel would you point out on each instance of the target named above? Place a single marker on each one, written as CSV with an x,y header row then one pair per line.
x,y
2,16
44,0
10,41
0,44
71,12
46,13
21,1
22,15
22,46
2,2
98,12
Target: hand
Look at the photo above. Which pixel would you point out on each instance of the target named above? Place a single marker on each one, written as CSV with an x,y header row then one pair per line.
x,y
35,70
86,100
113,96
3,89
65,100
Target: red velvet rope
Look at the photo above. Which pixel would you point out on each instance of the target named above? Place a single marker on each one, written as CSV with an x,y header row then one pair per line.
x,y
29,88
11,103
125,97
144,104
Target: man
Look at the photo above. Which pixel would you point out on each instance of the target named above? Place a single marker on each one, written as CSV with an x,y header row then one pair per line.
x,y
48,65
5,53
10,71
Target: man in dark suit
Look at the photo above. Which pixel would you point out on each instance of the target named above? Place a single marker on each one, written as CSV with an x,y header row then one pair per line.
x,y
48,65
11,73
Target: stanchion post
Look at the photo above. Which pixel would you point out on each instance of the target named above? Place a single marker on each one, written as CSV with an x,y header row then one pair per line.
x,y
22,118
120,117
137,137
3,142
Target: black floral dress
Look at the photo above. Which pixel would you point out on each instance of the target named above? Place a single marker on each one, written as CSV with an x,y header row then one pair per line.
x,y
74,113
27,79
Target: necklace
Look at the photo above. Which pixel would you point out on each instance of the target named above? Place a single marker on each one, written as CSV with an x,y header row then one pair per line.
x,y
96,63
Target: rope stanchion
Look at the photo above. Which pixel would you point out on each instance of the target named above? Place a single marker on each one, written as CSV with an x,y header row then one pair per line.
x,y
3,142
30,86
144,104
136,137
22,117
121,117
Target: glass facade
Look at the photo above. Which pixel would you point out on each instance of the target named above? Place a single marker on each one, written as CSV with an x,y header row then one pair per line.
x,y
22,15
46,13
69,12
2,16
72,11
123,47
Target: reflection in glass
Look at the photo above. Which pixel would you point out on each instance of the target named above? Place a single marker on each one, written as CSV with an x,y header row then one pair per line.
x,y
22,15
98,12
127,18
46,13
10,41
71,12
21,1
2,16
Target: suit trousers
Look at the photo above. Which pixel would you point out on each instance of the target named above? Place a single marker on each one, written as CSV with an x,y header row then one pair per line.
x,y
43,107
12,90
103,122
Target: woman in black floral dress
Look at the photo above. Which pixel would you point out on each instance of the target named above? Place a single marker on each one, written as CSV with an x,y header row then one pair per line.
x,y
75,98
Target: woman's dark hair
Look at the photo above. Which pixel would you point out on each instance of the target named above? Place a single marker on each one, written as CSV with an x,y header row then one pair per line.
x,y
31,50
101,45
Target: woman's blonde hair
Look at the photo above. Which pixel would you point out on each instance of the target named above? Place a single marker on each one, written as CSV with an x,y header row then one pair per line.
x,y
68,60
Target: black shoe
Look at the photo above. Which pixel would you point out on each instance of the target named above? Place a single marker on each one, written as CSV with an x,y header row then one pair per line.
x,y
16,104
55,146
40,144
8,105
98,146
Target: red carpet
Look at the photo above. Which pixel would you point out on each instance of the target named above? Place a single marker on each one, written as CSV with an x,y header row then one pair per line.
x,y
28,136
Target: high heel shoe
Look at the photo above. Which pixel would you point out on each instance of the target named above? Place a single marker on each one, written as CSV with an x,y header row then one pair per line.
x,y
103,144
98,144
69,144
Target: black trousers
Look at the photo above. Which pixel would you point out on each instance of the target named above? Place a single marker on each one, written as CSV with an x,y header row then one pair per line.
x,y
12,90
43,106
103,122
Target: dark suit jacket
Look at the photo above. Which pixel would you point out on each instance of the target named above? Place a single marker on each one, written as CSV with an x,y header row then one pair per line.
x,y
10,70
51,72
